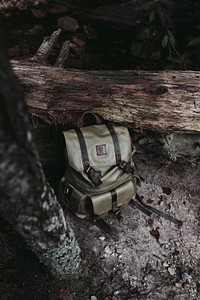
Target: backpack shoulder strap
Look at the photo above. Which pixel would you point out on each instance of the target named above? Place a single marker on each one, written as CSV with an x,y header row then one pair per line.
x,y
93,174
148,210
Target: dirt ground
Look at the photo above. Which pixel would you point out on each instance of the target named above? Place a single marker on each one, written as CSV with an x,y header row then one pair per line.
x,y
142,258
147,258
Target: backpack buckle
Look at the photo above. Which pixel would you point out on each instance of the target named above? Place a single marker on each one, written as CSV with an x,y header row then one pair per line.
x,y
126,166
94,176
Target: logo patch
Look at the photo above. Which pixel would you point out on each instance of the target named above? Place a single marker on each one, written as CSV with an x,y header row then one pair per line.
x,y
101,150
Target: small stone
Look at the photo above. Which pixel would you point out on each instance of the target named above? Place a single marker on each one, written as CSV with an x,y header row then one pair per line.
x,y
93,298
102,238
161,242
68,24
172,271
107,250
177,243
186,278
165,264
116,293
125,276
119,250
178,285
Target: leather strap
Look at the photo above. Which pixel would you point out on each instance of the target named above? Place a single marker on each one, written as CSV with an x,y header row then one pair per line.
x,y
93,174
125,166
97,117
148,210
84,153
141,207
115,142
101,224
114,200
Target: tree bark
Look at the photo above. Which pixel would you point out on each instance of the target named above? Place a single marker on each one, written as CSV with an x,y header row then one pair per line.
x,y
164,101
27,200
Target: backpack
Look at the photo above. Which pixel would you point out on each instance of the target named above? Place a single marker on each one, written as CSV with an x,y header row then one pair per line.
x,y
100,175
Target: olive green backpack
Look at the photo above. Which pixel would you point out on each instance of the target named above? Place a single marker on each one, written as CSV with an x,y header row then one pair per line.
x,y
100,175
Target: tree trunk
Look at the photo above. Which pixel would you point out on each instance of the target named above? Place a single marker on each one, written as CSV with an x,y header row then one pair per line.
x,y
163,101
27,200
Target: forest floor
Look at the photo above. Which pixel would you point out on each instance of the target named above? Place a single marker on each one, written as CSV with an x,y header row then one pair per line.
x,y
143,257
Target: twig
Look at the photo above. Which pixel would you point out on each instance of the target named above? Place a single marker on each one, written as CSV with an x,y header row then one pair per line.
x,y
46,46
63,55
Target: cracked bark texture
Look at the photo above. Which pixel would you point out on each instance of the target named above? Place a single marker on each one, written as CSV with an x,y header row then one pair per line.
x,y
28,202
162,101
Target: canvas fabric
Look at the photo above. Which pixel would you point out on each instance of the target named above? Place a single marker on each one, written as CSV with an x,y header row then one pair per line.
x,y
100,172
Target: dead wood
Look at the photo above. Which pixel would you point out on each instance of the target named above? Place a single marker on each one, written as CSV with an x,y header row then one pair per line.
x,y
162,101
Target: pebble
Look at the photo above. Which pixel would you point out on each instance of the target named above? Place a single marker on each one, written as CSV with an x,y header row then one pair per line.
x,y
68,24
93,298
119,250
177,243
102,238
125,276
186,278
172,271
162,242
107,250
178,284
165,264
116,293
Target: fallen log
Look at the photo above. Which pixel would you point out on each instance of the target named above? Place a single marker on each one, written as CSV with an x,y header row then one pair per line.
x,y
164,101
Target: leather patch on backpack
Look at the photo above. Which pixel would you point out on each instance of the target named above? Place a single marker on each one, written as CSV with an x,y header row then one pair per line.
x,y
101,150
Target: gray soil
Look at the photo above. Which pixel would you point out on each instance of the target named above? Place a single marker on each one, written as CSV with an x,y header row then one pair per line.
x,y
143,257
146,258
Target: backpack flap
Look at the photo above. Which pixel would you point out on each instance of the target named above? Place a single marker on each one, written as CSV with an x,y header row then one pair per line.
x,y
114,199
91,155
99,145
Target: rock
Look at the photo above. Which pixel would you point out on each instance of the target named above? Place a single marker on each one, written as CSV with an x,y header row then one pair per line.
x,y
125,276
119,250
165,264
177,243
68,24
172,271
93,298
186,278
178,285
102,238
162,242
107,250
